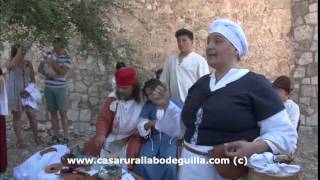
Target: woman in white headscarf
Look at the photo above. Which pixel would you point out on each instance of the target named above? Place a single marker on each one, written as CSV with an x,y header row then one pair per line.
x,y
232,110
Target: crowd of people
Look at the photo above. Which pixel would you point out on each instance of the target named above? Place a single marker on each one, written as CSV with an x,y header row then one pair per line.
x,y
185,111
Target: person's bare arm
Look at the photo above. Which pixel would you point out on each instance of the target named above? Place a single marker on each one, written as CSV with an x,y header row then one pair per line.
x,y
41,68
150,124
41,71
61,70
15,60
32,76
245,149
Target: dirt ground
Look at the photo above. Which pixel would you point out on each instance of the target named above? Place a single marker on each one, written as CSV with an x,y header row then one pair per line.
x,y
306,156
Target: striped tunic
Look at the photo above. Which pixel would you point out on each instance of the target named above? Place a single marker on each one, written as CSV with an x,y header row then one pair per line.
x,y
62,60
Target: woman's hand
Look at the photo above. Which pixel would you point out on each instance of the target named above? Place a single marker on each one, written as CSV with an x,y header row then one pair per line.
x,y
150,124
24,94
160,96
244,148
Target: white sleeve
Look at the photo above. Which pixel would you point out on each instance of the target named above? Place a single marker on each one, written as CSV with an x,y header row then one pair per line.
x,y
203,68
278,129
113,83
170,122
3,97
165,75
294,115
142,131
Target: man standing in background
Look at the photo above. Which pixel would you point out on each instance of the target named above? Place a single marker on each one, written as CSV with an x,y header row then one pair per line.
x,y
55,66
182,70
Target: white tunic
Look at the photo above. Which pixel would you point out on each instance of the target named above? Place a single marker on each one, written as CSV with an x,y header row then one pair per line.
x,y
124,125
276,128
293,112
181,76
3,97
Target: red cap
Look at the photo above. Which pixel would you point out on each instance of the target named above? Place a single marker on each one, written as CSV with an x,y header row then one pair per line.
x,y
126,76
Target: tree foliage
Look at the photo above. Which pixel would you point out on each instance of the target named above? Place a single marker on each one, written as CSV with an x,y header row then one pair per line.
x,y
29,21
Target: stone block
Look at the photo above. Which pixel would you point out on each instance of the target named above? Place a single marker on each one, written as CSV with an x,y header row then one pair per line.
x,y
314,46
93,101
311,18
310,111
80,87
73,114
300,8
312,120
92,89
304,32
314,102
299,72
70,86
312,69
314,80
299,21
85,115
306,58
313,7
90,60
88,80
302,46
74,99
308,91
305,100
315,36
84,98
306,81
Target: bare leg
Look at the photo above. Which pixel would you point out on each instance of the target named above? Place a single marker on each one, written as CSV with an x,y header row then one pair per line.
x,y
17,128
55,123
34,125
64,120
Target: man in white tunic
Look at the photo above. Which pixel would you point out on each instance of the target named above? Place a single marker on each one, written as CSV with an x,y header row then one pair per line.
x,y
182,70
283,87
116,126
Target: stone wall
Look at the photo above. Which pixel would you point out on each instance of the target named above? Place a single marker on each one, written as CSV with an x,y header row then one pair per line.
x,y
305,72
151,24
149,27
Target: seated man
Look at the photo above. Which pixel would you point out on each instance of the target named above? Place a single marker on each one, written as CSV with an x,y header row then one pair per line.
x,y
283,86
116,126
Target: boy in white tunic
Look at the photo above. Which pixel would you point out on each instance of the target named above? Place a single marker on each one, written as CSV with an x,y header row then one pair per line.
x,y
182,70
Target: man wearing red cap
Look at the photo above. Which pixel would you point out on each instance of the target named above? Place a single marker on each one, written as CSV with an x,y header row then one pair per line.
x,y
116,124
283,86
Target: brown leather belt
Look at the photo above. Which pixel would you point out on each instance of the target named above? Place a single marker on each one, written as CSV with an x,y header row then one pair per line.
x,y
194,150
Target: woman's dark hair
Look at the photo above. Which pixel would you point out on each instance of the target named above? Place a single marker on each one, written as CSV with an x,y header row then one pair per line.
x,y
120,65
185,32
137,92
158,73
152,84
14,50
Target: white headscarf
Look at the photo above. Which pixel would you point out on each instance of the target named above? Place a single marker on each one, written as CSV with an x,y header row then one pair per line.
x,y
233,32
